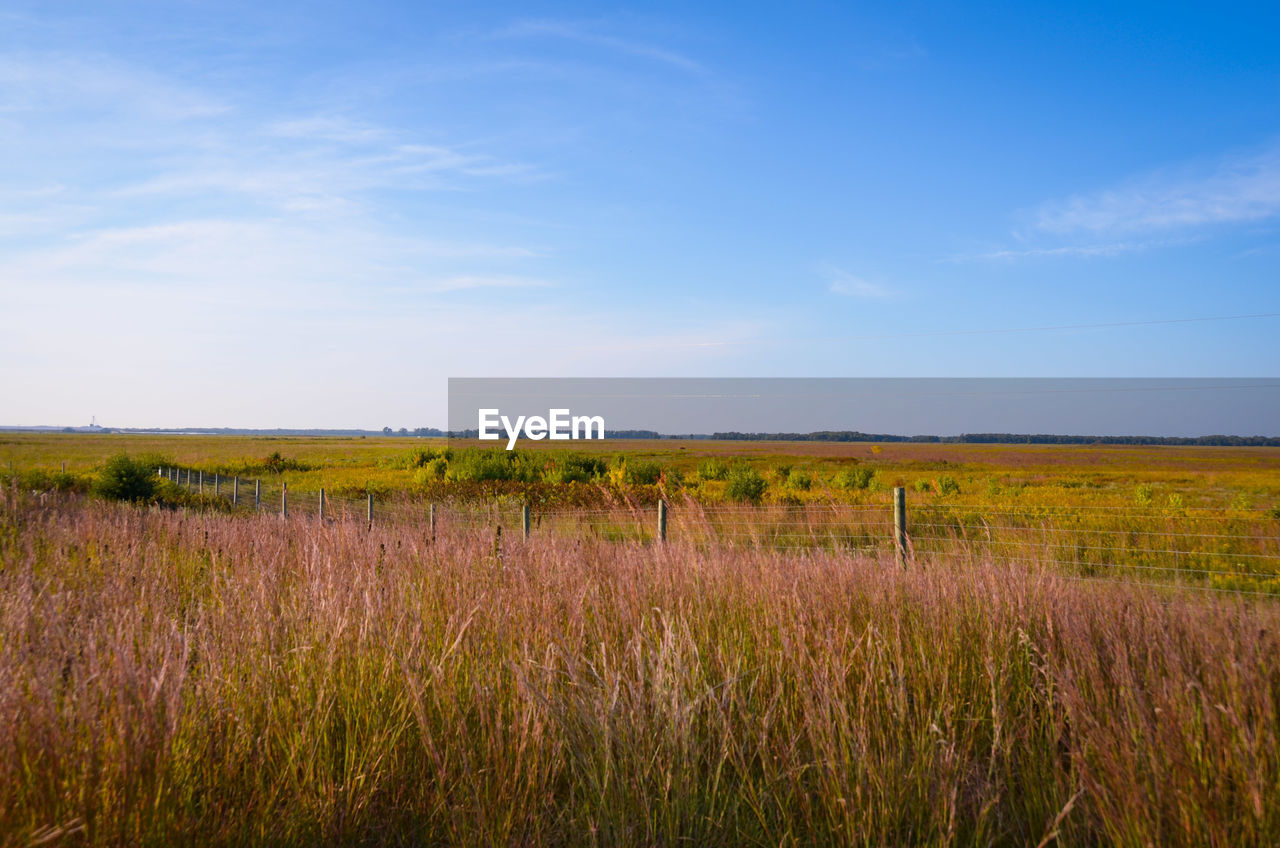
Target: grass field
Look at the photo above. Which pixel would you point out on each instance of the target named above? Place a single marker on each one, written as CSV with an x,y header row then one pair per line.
x,y
223,680
769,676
1058,475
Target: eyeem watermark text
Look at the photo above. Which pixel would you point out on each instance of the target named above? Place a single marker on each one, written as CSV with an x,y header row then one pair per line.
x,y
559,424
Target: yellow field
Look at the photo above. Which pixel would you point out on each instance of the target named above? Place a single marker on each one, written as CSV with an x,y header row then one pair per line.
x,y
1064,476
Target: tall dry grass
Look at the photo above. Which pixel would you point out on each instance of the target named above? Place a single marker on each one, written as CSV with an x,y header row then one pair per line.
x,y
219,680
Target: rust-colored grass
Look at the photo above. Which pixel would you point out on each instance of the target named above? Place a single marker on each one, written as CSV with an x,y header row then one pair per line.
x,y
215,679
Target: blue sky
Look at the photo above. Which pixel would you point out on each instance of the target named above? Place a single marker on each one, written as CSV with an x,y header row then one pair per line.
x,y
287,214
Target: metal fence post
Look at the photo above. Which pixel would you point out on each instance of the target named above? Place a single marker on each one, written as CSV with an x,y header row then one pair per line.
x,y
900,524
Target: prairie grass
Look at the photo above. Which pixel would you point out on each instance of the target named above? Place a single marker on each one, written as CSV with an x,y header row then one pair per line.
x,y
215,680
1167,478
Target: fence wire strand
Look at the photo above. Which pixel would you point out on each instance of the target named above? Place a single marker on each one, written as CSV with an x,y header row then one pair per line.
x,y
842,529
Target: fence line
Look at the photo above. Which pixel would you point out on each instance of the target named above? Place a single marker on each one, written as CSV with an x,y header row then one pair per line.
x,y
883,528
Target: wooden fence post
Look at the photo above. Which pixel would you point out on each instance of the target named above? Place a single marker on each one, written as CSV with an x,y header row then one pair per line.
x,y
433,523
524,520
284,500
200,485
322,506
900,524
368,509
257,494
217,484
662,520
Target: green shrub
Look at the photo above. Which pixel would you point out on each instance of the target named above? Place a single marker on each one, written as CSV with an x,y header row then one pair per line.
x,y
1142,494
855,478
800,479
642,473
713,469
126,479
480,464
923,486
947,485
46,481
431,471
745,485
573,468
419,457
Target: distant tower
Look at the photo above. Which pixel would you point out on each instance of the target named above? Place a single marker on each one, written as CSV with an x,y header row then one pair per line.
x,y
93,421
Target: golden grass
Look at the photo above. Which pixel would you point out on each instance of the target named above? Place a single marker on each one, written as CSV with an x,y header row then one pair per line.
x,y
1166,477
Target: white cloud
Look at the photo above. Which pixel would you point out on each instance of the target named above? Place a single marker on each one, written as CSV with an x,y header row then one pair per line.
x,y
584,33
464,282
94,84
274,259
842,282
1237,189
1086,251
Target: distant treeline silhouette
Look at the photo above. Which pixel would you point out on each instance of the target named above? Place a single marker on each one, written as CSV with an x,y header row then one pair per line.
x,y
733,436
1002,439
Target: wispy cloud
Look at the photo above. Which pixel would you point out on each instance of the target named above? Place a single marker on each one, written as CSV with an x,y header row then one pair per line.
x,y
302,175
1083,251
465,282
276,258
1163,209
1236,189
842,282
589,34
94,84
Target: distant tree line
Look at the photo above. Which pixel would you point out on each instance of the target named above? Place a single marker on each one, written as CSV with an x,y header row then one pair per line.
x,y
608,434
1003,439
817,436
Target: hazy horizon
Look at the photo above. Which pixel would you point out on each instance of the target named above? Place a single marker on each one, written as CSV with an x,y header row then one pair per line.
x,y
1114,407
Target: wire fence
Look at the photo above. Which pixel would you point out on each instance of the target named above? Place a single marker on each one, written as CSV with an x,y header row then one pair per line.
x,y
1224,550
